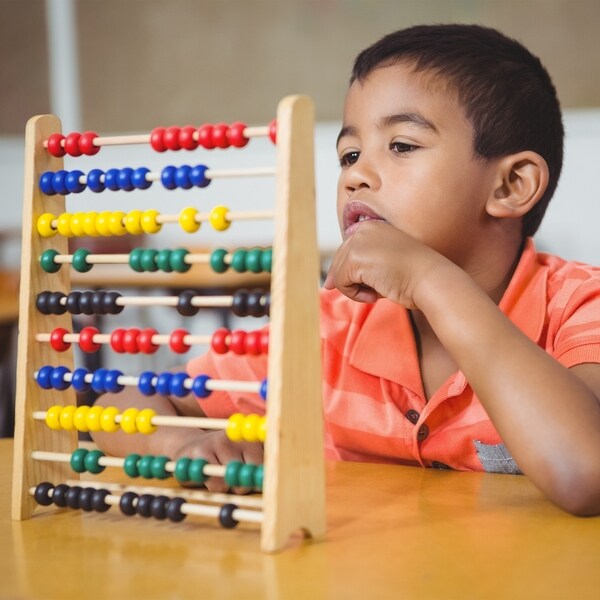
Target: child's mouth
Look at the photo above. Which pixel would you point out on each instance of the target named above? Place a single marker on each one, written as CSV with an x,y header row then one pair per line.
x,y
356,213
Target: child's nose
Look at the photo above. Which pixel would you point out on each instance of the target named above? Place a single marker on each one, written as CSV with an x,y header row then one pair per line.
x,y
362,174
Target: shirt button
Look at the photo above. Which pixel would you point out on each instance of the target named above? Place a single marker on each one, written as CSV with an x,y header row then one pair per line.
x,y
423,432
413,416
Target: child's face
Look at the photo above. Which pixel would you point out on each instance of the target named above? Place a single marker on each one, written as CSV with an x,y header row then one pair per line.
x,y
406,152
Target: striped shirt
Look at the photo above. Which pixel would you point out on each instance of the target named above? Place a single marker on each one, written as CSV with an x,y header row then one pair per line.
x,y
374,404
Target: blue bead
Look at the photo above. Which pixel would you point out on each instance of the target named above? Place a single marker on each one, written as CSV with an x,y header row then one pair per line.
x,y
94,182
182,177
111,179
176,385
111,384
58,183
263,389
98,381
199,386
167,177
72,182
43,377
139,178
124,179
57,378
145,383
163,383
78,380
198,176
46,184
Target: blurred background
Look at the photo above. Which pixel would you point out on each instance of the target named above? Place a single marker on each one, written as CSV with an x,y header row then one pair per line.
x,y
122,66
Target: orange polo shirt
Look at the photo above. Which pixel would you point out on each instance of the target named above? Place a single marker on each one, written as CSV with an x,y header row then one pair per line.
x,y
374,405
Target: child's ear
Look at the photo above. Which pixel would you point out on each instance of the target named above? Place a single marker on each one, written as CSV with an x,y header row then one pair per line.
x,y
521,181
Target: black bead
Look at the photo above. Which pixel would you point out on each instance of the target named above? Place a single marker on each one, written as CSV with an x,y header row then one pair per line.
x,y
158,507
54,305
110,303
98,302
58,496
226,516
85,302
42,493
267,304
239,306
72,496
98,500
85,498
184,304
41,302
144,504
73,303
174,510
127,503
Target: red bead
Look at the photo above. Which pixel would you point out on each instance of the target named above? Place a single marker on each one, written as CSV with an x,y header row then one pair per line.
x,y
171,138
86,143
236,135
219,341
156,139
144,341
236,343
252,343
57,340
186,138
54,145
273,131
219,135
116,340
72,144
130,340
176,342
264,341
86,339
205,138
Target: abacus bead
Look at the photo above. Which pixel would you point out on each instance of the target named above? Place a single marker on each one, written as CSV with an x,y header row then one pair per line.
x,y
217,260
158,507
259,477
232,473
92,461
108,421
99,503
246,475
42,493
58,495
199,388
181,472
130,340
95,182
89,224
167,177
102,224
43,377
205,136
127,503
157,467
77,461
253,260
86,339
176,341
86,143
72,496
218,218
266,260
219,341
79,260
63,225
182,177
66,417
145,466
174,512
116,340
186,138
143,421
72,183
148,221
177,260
156,139
177,385
273,131
78,380
72,304
187,220
55,306
129,421
111,381
239,305
52,419
238,260
80,417
148,260
130,465
41,302
236,342
76,224
184,304
196,470
145,383
236,135
44,225
72,144
139,179
98,302
198,176
111,179
124,179
94,418
171,138
249,428
144,341
54,145
57,340
163,260
226,516
255,306
135,261
46,183
261,430
234,427
143,505
219,135
163,383
57,378
116,223
85,302
263,389
97,383
252,343
110,303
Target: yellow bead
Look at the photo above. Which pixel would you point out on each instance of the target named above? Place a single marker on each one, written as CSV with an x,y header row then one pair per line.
x,y
66,417
128,416
234,427
53,417
143,421
102,226
218,218
116,223
148,221
77,228
44,225
63,224
89,224
187,220
249,428
80,418
132,222
261,429
107,419
93,418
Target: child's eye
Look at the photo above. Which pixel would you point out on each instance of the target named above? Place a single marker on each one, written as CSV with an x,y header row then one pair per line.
x,y
349,158
402,148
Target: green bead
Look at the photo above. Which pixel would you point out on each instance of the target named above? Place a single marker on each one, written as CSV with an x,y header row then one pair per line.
x,y
259,476
266,260
238,261
145,466
47,261
78,460
130,466
148,260
178,263
163,261
217,260
92,463
134,259
80,263
157,467
182,467
196,470
232,471
246,475
253,260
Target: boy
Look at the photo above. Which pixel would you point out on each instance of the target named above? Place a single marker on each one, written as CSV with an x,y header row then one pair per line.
x,y
447,340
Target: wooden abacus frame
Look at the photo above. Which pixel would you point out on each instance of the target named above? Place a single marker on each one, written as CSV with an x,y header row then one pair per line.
x,y
294,484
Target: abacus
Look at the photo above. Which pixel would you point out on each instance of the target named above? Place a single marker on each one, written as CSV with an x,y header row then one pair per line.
x,y
48,420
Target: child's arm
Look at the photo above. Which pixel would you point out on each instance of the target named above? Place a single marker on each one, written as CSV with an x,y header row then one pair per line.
x,y
548,416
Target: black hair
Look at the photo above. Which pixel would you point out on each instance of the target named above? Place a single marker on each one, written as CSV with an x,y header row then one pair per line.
x,y
507,94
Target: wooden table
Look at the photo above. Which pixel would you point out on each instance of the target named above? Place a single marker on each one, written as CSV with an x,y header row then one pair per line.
x,y
393,532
